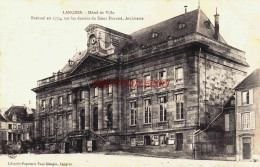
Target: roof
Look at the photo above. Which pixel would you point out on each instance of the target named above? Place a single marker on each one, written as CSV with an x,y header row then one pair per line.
x,y
194,22
2,119
23,114
75,59
251,80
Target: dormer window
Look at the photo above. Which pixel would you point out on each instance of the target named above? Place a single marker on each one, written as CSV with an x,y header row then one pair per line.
x,y
71,62
181,25
207,24
155,34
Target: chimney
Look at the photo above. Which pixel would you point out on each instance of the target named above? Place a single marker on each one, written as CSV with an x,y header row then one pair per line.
x,y
185,8
216,35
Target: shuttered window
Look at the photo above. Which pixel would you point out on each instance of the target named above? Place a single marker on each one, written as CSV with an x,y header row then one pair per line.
x,y
251,96
252,120
226,122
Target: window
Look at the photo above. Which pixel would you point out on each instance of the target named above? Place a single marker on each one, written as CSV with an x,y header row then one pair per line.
x,y
245,97
226,122
110,89
109,116
19,127
96,92
147,81
178,75
133,113
9,136
43,105
245,121
133,86
163,112
51,102
69,99
179,106
181,25
82,95
51,126
147,111
15,126
162,75
10,126
43,127
60,101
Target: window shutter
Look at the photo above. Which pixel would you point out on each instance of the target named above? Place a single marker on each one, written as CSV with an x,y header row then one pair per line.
x,y
174,77
252,120
226,122
239,99
251,96
238,121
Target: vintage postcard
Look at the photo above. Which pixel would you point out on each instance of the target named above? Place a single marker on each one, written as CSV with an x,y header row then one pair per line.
x,y
129,83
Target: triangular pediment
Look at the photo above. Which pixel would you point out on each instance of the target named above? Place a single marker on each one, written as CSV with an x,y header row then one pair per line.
x,y
90,63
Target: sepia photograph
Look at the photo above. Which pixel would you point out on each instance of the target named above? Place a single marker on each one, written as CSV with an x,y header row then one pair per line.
x,y
129,83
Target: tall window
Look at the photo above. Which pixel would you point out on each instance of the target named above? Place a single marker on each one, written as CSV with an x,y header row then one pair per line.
x,y
179,106
69,99
60,101
147,81
245,97
43,105
82,95
109,116
246,121
133,113
147,111
178,75
43,127
110,89
133,86
162,75
96,92
226,122
51,126
51,102
163,112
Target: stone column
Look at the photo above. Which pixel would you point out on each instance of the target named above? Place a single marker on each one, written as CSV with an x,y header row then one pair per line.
x,y
87,109
100,108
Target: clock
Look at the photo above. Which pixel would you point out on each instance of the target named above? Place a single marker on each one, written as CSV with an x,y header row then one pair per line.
x,y
92,39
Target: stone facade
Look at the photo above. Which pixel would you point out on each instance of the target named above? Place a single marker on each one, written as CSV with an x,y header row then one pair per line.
x,y
201,71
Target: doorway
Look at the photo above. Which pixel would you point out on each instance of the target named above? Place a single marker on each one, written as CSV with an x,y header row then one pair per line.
x,y
147,140
79,146
179,138
247,148
94,145
67,147
95,119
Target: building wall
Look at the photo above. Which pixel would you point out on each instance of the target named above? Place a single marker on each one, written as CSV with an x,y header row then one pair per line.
x,y
251,133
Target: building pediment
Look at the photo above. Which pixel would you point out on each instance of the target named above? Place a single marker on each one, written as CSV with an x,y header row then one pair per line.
x,y
90,63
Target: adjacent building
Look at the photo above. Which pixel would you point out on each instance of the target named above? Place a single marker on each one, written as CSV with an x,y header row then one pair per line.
x,y
247,117
127,107
16,127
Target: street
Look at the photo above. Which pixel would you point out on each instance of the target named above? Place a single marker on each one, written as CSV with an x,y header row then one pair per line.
x,y
102,160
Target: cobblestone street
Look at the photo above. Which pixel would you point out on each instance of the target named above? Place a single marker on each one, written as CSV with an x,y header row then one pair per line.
x,y
102,160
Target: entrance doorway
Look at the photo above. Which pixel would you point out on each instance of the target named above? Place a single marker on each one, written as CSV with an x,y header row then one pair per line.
x,y
94,145
95,119
247,148
67,147
79,146
82,119
147,140
179,138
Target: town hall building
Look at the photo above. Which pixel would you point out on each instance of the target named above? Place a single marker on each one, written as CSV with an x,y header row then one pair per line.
x,y
109,96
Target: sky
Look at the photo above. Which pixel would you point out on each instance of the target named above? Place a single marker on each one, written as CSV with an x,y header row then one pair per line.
x,y
31,50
